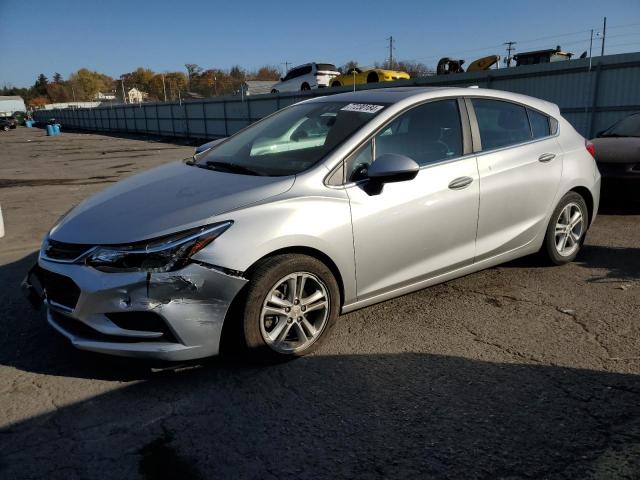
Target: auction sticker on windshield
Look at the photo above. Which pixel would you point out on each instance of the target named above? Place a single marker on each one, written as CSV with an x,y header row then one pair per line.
x,y
362,107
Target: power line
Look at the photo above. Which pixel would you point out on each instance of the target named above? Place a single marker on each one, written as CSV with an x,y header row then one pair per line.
x,y
510,48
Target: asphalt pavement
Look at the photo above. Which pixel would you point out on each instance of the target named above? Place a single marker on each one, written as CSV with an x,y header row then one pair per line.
x,y
520,371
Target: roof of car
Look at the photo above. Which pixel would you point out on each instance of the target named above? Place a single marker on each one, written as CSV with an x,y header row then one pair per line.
x,y
387,95
398,94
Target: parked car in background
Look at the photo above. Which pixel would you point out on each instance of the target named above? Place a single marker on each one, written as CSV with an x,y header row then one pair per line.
x,y
270,236
618,149
371,75
7,123
306,77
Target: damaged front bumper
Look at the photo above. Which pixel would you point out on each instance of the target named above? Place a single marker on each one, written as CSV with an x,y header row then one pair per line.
x,y
171,316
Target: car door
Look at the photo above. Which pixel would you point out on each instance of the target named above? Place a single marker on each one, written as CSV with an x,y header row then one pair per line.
x,y
420,228
520,165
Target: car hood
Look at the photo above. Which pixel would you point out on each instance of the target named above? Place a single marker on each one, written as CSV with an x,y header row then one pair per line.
x,y
617,149
161,201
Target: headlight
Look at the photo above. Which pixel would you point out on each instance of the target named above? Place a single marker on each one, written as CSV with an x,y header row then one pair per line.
x,y
160,255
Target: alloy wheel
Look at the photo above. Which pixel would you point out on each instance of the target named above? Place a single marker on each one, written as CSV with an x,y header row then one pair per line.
x,y
569,229
294,313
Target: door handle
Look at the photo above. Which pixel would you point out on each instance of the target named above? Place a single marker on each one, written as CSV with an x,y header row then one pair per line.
x,y
546,157
460,183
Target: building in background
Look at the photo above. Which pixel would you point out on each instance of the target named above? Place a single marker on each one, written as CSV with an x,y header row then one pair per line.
x,y
11,104
136,96
258,87
53,106
108,96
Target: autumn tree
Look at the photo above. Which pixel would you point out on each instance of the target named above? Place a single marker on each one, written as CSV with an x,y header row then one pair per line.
x,y
193,70
266,72
349,66
38,102
59,92
140,78
87,83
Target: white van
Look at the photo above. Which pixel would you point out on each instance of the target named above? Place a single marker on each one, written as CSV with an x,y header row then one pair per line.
x,y
306,77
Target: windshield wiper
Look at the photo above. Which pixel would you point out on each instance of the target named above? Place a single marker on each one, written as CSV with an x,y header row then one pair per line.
x,y
228,167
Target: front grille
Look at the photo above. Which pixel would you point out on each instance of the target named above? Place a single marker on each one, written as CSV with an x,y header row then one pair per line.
x,y
59,289
64,251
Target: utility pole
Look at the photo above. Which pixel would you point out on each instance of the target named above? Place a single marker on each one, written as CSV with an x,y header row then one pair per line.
x,y
286,68
590,48
124,99
164,88
510,48
390,53
604,34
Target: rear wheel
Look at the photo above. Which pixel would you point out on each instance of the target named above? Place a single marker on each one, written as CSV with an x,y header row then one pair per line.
x,y
336,84
372,77
566,229
292,302
274,91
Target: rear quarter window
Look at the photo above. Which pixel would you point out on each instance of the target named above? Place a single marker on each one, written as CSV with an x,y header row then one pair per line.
x,y
540,126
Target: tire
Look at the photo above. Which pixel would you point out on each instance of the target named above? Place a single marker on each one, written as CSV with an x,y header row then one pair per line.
x,y
277,337
274,91
372,78
561,245
5,128
336,84
305,86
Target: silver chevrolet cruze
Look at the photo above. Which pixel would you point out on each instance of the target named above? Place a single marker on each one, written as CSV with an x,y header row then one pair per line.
x,y
324,207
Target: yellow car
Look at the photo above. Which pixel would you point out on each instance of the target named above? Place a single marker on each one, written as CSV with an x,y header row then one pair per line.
x,y
373,75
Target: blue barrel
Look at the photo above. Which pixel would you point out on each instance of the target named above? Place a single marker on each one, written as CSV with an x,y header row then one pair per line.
x,y
50,131
28,123
56,129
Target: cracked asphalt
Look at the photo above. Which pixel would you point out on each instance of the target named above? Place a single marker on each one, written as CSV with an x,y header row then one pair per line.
x,y
520,371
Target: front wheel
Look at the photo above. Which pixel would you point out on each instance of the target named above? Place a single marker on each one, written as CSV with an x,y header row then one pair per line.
x,y
566,229
292,302
305,87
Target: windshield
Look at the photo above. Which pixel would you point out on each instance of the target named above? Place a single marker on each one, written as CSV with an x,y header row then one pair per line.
x,y
627,127
290,141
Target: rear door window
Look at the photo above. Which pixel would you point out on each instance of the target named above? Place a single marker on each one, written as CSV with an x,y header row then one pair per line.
x,y
501,123
539,124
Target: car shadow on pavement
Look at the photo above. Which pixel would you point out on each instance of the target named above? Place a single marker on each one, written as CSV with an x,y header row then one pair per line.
x,y
370,416
619,264
343,416
619,198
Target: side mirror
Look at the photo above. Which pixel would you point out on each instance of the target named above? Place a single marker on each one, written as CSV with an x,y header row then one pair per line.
x,y
392,167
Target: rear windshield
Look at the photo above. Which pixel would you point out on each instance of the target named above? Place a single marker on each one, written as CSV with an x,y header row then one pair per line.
x,y
326,66
292,140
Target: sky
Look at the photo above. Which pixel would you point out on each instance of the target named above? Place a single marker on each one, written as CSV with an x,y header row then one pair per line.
x,y
116,36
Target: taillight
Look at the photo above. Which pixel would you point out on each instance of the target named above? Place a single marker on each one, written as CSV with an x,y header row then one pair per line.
x,y
591,148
